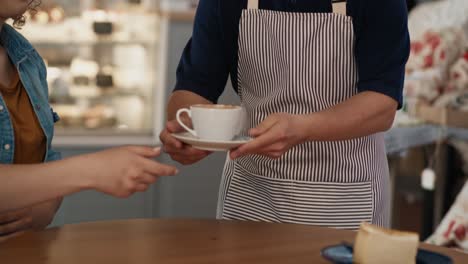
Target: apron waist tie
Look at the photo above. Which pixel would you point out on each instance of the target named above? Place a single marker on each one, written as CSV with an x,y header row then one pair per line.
x,y
339,6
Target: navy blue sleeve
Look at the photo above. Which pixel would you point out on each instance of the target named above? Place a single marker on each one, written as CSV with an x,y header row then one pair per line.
x,y
382,46
203,68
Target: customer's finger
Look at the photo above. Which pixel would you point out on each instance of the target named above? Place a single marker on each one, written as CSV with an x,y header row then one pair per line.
x,y
16,226
147,178
158,151
10,236
141,187
13,215
158,169
185,151
148,152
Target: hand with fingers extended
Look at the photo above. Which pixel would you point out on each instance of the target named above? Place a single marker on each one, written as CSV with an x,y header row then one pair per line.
x,y
15,223
179,151
123,171
276,135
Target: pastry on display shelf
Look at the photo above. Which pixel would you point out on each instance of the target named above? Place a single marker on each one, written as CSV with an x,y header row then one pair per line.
x,y
92,26
105,77
70,115
74,116
129,111
83,74
83,67
131,68
99,116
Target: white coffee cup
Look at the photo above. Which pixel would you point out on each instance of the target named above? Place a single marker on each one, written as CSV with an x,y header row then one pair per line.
x,y
213,122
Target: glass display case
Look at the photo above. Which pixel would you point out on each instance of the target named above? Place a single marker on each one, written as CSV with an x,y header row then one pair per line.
x,y
105,68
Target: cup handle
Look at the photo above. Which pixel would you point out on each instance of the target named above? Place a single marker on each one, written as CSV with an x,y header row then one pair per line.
x,y
180,112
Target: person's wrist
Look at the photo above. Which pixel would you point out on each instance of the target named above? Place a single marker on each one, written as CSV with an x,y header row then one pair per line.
x,y
306,126
299,128
82,176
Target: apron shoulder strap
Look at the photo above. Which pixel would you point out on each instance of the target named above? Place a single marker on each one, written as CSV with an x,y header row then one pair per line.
x,y
339,7
252,4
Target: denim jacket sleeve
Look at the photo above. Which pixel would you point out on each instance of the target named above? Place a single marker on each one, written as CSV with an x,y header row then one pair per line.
x,y
53,155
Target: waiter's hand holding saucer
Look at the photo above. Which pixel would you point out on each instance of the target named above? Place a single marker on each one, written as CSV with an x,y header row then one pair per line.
x,y
274,136
180,152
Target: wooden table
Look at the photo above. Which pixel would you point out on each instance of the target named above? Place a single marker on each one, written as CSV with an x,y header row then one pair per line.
x,y
178,241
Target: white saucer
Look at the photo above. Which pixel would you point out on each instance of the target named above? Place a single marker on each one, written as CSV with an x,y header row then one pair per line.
x,y
210,145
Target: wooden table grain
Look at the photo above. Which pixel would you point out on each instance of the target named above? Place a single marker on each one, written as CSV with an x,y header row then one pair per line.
x,y
179,241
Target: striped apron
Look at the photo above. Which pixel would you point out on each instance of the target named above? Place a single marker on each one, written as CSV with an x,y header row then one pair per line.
x,y
301,63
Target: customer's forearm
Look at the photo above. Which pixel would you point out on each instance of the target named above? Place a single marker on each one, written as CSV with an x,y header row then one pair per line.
x,y
183,99
43,213
27,185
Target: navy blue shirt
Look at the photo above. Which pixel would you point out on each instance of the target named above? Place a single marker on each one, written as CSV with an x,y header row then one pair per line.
x,y
381,49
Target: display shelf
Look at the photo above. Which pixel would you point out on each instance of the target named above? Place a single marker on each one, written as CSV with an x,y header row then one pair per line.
x,y
94,42
458,133
104,72
402,138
